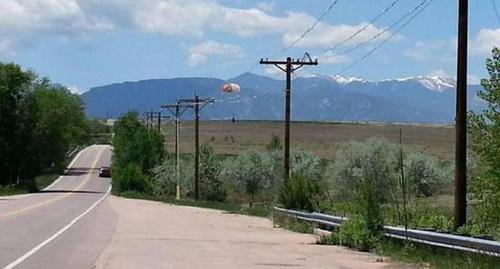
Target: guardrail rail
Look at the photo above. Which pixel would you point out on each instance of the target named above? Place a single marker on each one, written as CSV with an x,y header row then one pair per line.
x,y
463,243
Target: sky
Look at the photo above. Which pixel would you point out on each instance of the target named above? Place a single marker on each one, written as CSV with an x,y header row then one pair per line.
x,y
88,43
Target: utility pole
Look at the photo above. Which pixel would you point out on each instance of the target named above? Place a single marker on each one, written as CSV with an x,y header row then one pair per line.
x,y
175,109
159,121
291,65
461,118
197,104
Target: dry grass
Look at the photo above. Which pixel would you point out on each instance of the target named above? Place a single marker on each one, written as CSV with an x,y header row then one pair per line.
x,y
320,138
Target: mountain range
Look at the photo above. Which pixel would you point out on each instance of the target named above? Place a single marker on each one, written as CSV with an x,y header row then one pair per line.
x,y
423,99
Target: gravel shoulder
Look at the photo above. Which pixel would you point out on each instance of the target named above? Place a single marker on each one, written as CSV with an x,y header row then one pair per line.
x,y
156,235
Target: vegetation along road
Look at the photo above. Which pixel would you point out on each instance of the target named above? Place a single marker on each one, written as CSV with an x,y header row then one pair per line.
x,y
73,223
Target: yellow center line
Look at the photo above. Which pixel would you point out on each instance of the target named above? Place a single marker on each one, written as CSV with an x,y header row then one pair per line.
x,y
49,201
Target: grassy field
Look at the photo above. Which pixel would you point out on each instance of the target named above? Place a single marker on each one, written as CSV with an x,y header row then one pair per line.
x,y
320,138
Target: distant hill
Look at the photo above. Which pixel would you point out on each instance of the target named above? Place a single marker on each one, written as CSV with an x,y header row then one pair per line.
x,y
318,97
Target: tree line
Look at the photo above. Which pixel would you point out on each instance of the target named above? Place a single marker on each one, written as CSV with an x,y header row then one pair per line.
x,y
39,123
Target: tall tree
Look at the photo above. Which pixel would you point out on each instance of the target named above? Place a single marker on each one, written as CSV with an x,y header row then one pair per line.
x,y
61,124
135,144
485,134
18,118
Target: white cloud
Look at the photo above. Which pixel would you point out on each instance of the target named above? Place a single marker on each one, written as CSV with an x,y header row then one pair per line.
x,y
200,53
431,51
75,89
23,23
196,18
266,6
440,73
484,42
325,35
473,79
274,72
334,59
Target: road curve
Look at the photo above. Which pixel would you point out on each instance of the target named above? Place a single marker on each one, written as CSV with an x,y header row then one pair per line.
x,y
65,226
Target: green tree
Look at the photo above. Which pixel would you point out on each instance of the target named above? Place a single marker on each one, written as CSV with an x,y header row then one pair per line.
x,y
61,124
134,143
484,129
18,119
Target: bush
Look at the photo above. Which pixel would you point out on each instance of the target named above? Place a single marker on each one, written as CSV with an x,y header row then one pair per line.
x,y
307,165
301,193
274,144
252,173
130,178
211,184
354,234
164,178
423,172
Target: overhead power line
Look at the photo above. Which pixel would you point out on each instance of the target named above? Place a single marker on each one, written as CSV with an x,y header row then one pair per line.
x,y
387,29
363,28
308,30
496,10
418,12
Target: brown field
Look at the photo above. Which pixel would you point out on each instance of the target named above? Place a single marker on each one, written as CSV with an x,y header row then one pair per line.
x,y
318,137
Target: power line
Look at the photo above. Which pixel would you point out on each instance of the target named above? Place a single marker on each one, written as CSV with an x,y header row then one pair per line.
x,y
360,30
496,10
303,35
387,29
429,2
308,30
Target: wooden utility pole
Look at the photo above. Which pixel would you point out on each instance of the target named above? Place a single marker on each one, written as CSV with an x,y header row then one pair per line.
x,y
175,109
461,119
197,104
291,65
159,121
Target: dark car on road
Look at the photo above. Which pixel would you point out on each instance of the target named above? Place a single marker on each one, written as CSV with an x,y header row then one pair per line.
x,y
105,171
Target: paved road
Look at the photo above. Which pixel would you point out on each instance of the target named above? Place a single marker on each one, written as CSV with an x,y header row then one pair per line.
x,y
47,218
73,224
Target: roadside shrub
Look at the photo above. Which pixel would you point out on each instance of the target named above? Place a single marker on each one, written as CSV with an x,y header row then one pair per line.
x,y
211,184
307,165
300,193
164,178
424,174
422,215
130,178
251,173
274,144
354,234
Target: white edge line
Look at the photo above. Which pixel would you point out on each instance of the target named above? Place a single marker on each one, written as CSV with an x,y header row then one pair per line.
x,y
69,166
54,236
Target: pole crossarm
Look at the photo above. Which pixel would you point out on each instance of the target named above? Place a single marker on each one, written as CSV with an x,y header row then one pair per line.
x,y
197,104
289,66
172,108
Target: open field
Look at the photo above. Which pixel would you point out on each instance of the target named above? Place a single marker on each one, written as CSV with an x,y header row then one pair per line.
x,y
318,137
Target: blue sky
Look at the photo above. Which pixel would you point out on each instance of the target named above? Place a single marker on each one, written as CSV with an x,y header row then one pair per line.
x,y
86,43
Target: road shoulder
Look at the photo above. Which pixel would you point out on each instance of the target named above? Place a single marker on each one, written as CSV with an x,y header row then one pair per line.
x,y
157,235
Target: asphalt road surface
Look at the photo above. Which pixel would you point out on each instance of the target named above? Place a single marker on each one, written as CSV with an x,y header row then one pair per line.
x,y
75,224
48,230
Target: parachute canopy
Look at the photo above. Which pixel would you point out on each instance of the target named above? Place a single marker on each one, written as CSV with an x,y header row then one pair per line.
x,y
230,88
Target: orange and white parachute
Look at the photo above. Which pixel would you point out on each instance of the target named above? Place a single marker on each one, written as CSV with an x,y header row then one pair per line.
x,y
230,88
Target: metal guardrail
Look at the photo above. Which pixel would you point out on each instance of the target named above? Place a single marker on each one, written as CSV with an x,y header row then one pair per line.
x,y
464,243
71,153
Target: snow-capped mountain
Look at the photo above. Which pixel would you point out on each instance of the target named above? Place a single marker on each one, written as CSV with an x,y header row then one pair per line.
x,y
315,97
433,82
338,78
